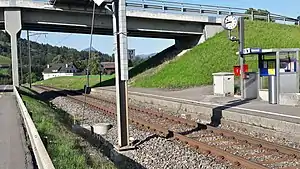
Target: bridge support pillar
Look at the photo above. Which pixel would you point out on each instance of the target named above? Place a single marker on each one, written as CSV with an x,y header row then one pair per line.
x,y
12,17
187,42
210,31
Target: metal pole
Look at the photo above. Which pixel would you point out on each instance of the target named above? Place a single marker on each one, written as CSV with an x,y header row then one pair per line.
x,y
21,60
29,57
297,69
90,50
241,47
119,25
100,78
277,71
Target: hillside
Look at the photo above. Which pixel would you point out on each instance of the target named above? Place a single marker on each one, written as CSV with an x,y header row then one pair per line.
x,y
4,60
195,68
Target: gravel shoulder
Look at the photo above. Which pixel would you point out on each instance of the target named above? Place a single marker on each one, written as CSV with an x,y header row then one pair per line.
x,y
152,151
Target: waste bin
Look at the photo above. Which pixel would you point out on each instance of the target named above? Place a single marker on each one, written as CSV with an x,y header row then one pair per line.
x,y
273,90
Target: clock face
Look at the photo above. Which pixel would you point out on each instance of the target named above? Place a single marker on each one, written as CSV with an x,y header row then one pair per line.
x,y
230,22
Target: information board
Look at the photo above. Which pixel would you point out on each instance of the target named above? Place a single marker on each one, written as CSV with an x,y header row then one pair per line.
x,y
267,67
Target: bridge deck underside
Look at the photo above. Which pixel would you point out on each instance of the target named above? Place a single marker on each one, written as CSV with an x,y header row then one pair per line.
x,y
73,22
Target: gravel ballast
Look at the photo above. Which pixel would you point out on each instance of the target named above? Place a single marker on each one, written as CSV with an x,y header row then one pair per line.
x,y
152,150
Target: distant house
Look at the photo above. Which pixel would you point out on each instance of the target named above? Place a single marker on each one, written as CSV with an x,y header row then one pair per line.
x,y
108,67
59,69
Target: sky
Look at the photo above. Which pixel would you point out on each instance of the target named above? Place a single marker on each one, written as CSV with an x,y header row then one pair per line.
x,y
151,45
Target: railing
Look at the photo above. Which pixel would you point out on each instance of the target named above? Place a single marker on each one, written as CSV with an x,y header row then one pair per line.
x,y
189,8
41,155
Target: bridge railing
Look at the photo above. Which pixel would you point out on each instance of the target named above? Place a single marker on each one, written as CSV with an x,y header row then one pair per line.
x,y
187,9
194,9
40,153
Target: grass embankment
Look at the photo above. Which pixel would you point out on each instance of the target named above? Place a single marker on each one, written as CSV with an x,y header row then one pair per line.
x,y
73,82
4,60
65,149
217,54
4,72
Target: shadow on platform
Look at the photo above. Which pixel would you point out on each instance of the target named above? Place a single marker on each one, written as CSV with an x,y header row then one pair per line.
x,y
218,111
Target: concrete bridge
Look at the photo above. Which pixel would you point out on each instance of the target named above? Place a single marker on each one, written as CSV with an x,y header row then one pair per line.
x,y
187,24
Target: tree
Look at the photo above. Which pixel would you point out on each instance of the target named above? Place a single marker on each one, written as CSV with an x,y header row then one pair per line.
x,y
260,12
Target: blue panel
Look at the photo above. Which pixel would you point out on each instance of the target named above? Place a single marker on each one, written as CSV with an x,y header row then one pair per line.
x,y
264,72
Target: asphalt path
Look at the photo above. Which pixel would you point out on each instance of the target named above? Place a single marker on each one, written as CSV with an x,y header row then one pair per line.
x,y
14,152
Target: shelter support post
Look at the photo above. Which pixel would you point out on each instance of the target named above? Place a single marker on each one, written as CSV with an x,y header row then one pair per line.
x,y
277,69
241,48
13,26
297,70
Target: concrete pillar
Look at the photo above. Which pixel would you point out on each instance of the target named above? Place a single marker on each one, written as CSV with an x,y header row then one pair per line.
x,y
12,17
188,42
210,31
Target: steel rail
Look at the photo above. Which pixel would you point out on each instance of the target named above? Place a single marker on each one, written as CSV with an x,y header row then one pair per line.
x,y
226,133
199,146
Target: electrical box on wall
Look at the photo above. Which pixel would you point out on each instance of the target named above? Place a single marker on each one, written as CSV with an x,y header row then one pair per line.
x,y
223,84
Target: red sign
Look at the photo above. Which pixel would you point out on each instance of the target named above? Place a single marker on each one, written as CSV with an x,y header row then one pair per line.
x,y
237,70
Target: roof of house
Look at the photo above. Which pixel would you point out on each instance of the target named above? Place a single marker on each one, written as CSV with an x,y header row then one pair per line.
x,y
59,68
108,65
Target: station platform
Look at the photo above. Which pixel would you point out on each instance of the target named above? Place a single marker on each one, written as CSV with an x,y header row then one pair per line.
x,y
202,100
13,148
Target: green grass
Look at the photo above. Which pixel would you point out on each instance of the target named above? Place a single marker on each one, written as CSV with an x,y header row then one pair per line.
x,y
4,72
64,149
4,60
73,82
195,68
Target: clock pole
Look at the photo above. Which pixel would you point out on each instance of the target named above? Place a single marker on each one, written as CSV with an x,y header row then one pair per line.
x,y
241,48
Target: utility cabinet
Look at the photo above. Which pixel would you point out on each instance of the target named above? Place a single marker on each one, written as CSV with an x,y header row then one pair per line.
x,y
223,83
251,85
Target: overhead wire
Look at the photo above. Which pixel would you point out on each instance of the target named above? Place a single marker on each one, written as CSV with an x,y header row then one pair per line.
x,y
65,38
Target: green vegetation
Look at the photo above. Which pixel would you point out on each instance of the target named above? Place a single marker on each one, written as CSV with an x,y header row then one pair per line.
x,y
195,68
73,82
4,60
65,148
4,72
43,54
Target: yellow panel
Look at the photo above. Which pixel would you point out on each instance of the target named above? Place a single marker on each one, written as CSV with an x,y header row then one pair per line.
x,y
271,71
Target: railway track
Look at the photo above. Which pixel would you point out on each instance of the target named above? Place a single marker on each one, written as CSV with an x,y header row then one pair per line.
x,y
241,151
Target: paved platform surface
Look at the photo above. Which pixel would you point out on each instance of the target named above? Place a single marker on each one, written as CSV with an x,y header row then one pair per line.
x,y
6,88
12,142
203,95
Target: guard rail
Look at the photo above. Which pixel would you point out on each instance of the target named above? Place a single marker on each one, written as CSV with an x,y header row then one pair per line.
x,y
41,155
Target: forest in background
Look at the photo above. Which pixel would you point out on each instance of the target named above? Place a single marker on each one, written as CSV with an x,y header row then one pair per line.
x,y
43,54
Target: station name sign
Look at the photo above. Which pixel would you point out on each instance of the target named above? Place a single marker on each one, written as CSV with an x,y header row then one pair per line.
x,y
251,51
